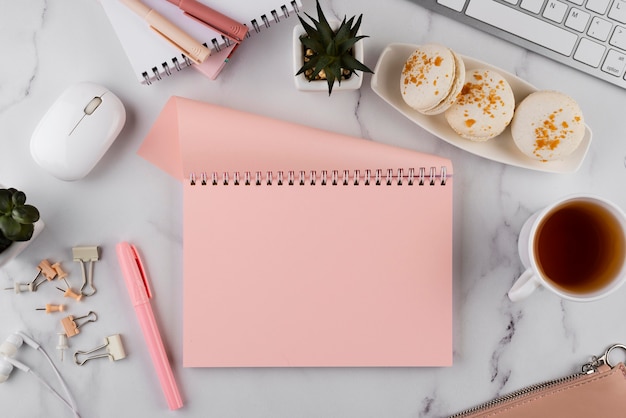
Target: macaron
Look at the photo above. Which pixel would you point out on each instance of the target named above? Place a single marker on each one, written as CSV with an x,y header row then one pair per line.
x,y
432,78
548,125
484,108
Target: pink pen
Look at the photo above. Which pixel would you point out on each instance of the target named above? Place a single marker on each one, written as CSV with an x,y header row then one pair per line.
x,y
212,18
140,294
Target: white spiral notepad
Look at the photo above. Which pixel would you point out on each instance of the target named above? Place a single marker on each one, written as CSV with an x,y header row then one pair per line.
x,y
153,58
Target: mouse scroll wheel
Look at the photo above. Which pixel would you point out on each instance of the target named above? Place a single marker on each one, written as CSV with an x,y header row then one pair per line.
x,y
92,105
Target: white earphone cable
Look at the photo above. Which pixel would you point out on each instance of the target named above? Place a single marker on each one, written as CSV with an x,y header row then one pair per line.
x,y
72,401
8,349
54,392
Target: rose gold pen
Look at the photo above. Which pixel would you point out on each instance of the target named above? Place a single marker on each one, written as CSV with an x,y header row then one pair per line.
x,y
212,18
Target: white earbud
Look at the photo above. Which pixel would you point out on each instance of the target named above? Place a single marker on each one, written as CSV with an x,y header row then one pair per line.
x,y
5,370
16,363
9,347
28,340
6,367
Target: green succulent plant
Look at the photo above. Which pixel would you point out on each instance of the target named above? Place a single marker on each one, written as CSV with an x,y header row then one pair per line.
x,y
16,217
328,53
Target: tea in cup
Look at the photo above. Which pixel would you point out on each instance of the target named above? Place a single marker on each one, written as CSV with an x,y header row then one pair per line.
x,y
575,247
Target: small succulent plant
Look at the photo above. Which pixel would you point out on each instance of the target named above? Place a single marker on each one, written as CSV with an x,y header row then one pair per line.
x,y
328,53
16,217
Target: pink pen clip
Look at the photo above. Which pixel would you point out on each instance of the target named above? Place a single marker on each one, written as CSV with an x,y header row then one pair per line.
x,y
219,22
140,294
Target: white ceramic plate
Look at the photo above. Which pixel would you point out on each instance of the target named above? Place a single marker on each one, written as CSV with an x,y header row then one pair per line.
x,y
386,83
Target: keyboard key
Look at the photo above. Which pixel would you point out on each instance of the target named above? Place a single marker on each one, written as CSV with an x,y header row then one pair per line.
x,y
614,63
598,6
599,29
533,6
577,19
589,52
453,4
619,37
555,11
618,11
523,25
577,2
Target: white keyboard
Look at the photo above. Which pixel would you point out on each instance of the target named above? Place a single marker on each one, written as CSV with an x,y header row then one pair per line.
x,y
589,35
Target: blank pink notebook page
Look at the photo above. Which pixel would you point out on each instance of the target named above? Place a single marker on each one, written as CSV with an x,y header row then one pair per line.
x,y
313,275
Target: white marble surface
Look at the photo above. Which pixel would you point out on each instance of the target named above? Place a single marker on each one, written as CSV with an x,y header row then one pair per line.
x,y
498,345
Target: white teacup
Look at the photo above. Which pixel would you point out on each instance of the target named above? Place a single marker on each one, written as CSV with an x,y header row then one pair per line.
x,y
576,247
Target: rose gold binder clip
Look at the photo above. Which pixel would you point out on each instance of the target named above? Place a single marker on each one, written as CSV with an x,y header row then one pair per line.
x,y
46,271
114,350
83,255
71,327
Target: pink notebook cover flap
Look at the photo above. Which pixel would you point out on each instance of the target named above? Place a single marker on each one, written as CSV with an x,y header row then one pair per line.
x,y
305,275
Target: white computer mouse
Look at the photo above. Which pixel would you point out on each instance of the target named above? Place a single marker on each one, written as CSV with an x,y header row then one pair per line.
x,y
77,130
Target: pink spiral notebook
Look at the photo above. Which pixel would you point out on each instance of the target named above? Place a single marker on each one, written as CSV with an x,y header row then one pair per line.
x,y
306,248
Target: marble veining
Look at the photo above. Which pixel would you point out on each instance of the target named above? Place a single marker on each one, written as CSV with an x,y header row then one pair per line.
x,y
24,25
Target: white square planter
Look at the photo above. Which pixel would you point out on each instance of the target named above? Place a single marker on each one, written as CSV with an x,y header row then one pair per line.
x,y
18,246
352,83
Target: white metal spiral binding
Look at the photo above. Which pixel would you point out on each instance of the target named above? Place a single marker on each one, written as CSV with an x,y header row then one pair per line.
x,y
389,177
157,73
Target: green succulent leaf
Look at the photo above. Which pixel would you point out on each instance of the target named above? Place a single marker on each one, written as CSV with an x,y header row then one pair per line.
x,y
356,27
344,47
322,25
25,233
4,242
349,62
18,198
323,61
331,49
311,43
10,227
331,83
343,32
26,214
6,203
310,30
309,65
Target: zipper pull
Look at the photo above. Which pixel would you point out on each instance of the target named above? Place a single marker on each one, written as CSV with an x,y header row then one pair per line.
x,y
596,362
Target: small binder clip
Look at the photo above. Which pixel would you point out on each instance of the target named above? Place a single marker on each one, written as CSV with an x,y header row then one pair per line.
x,y
82,255
114,350
71,327
48,272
